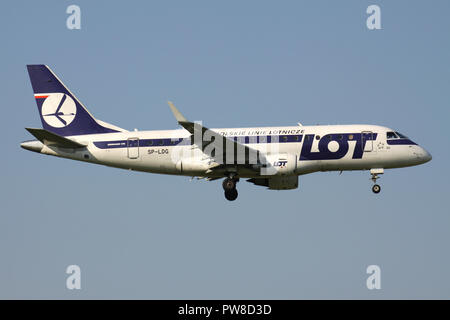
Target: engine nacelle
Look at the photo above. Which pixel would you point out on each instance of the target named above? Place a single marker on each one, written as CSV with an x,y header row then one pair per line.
x,y
280,164
283,182
277,182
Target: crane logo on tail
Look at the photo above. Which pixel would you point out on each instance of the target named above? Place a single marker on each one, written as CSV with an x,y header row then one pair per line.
x,y
58,109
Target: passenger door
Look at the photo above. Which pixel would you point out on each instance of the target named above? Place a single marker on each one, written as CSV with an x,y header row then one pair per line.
x,y
133,148
367,140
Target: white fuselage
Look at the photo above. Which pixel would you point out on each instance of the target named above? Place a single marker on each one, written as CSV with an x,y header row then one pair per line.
x,y
315,148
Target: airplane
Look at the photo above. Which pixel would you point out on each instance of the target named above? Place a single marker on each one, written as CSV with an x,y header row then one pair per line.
x,y
272,157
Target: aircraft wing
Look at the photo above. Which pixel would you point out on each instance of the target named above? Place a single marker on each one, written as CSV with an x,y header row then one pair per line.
x,y
53,139
224,151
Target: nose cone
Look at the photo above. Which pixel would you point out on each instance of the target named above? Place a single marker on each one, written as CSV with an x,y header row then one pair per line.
x,y
424,156
427,157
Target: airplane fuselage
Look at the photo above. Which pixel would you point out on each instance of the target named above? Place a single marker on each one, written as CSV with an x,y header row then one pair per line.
x,y
316,148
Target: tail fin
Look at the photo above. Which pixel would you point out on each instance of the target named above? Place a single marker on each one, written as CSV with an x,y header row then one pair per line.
x,y
60,111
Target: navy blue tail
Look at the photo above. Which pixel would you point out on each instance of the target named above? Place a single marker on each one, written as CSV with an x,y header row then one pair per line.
x,y
60,111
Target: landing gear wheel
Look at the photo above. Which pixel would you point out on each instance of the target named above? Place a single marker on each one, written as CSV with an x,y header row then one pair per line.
x,y
231,195
229,184
376,188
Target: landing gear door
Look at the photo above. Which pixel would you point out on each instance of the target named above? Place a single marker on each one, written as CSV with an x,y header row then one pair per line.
x,y
367,140
133,148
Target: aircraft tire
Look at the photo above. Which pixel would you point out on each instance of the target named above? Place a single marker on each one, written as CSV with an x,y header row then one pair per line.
x,y
228,184
231,195
376,188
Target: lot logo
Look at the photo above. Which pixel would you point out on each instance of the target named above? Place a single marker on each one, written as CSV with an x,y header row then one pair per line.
x,y
281,163
58,110
336,146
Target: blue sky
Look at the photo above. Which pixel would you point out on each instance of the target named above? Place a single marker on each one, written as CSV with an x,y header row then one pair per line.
x,y
229,64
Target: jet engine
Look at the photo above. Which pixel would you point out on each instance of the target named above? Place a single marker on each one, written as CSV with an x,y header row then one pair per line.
x,y
277,182
279,164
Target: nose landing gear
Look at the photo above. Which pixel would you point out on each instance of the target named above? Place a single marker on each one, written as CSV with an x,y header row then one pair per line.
x,y
375,172
229,186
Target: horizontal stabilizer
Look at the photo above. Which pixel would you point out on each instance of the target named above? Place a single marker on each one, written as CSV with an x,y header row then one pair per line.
x,y
52,139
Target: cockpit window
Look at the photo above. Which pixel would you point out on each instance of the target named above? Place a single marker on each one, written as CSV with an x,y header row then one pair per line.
x,y
391,135
401,135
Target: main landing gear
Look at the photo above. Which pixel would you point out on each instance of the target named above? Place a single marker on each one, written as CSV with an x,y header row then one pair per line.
x,y
229,186
375,172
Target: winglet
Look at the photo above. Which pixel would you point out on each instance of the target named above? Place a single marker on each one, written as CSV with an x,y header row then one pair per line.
x,y
176,113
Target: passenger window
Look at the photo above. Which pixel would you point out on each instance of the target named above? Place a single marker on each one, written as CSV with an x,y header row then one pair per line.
x,y
391,135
